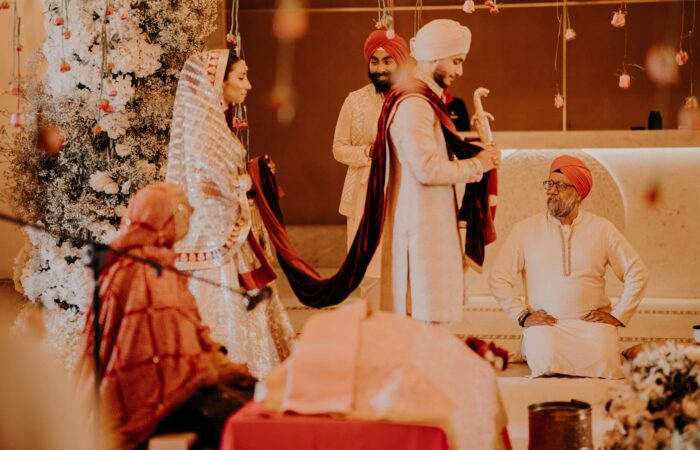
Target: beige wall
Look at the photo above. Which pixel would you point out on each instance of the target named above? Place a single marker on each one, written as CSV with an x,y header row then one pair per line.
x,y
11,239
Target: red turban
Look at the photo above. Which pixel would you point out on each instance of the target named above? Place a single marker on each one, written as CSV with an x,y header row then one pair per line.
x,y
576,171
394,45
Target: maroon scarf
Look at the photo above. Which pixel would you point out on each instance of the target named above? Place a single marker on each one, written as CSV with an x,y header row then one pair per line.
x,y
314,290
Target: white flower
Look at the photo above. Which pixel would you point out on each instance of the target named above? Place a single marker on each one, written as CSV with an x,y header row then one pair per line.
x,y
468,6
624,81
569,34
123,150
558,101
147,169
101,182
116,123
126,187
619,18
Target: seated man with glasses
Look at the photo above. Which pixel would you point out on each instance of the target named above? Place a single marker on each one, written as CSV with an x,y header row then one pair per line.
x,y
561,255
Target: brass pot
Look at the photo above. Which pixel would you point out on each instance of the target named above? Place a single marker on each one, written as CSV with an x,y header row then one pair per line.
x,y
560,426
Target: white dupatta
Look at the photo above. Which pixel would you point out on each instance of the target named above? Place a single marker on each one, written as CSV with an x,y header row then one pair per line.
x,y
209,163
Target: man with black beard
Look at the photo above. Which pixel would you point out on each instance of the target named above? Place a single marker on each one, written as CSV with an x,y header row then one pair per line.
x,y
384,53
561,256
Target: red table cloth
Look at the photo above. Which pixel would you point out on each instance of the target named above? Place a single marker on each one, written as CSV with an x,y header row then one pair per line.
x,y
254,428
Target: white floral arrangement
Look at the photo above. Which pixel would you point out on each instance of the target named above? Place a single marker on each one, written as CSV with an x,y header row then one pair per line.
x,y
109,87
659,407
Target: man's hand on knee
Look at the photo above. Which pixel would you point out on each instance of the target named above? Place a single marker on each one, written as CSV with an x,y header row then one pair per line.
x,y
539,317
602,317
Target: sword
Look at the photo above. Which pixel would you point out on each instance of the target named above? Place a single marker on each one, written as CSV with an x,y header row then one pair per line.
x,y
481,118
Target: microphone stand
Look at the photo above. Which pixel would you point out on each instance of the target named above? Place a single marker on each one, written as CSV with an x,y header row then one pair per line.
x,y
96,259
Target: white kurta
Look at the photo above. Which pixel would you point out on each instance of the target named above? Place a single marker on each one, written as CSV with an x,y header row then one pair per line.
x,y
355,132
422,271
563,270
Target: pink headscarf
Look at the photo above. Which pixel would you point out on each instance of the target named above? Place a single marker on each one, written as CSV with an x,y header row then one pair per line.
x,y
149,220
155,352
576,171
394,45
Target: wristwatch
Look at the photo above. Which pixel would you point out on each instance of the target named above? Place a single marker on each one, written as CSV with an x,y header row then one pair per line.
x,y
523,317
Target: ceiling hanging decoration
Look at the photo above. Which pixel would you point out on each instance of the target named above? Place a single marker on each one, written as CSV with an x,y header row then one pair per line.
x,y
238,114
15,86
689,114
559,99
289,24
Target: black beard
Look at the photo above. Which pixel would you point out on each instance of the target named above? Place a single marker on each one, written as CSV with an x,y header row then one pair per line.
x,y
439,78
381,86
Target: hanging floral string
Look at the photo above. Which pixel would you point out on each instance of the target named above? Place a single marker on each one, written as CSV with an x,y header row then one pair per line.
x,y
239,112
16,119
682,55
418,16
104,105
558,98
61,20
290,23
619,20
691,102
569,34
233,37
620,16
385,18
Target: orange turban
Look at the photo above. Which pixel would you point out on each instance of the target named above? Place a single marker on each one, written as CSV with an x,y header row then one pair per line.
x,y
394,45
576,171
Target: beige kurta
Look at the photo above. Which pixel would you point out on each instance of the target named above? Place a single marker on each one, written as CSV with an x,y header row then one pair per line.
x,y
540,251
422,271
355,132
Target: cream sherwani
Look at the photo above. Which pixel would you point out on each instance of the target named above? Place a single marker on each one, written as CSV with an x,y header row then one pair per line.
x,y
355,132
563,270
422,271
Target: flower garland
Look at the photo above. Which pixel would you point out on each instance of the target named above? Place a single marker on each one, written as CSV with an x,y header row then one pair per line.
x,y
96,129
659,407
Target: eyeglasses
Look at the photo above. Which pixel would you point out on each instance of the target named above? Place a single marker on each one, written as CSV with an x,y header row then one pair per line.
x,y
549,184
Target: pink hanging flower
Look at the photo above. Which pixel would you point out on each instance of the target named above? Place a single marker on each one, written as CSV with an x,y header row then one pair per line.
x,y
231,39
569,34
691,102
469,6
106,106
381,24
493,7
624,81
65,67
110,10
66,34
390,34
110,67
240,124
111,90
13,90
16,120
290,23
619,18
58,21
681,57
558,101
123,13
4,5
19,48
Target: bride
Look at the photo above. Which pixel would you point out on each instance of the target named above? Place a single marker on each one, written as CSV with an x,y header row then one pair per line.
x,y
227,242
